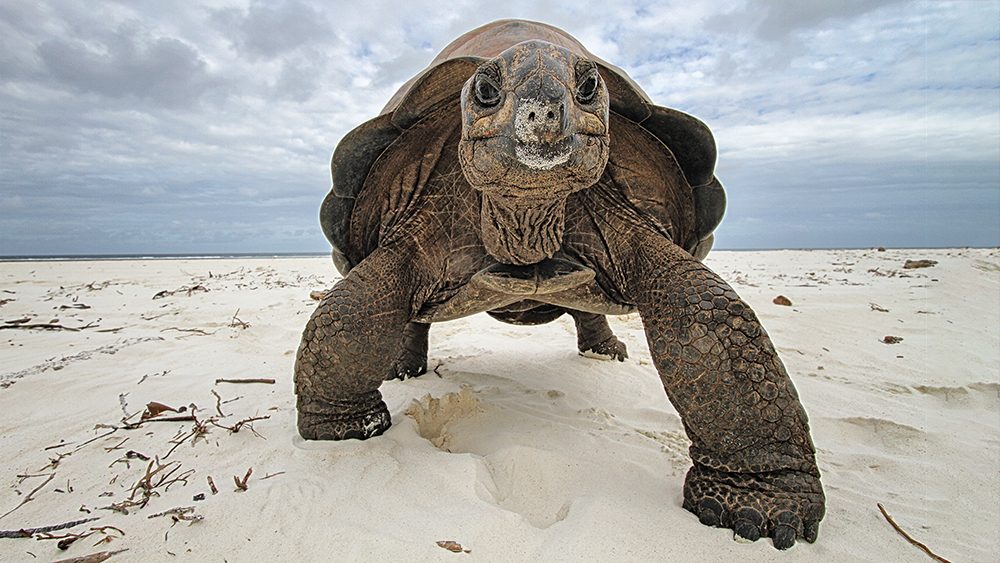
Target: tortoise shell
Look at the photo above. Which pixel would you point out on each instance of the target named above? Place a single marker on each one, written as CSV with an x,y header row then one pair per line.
x,y
685,138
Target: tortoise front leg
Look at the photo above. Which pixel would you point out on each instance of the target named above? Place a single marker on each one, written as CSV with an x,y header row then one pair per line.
x,y
348,348
754,461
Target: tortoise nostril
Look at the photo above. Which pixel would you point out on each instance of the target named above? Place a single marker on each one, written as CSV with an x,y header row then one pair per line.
x,y
550,115
531,116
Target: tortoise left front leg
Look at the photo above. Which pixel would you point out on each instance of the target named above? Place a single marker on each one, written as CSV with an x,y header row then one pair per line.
x,y
754,461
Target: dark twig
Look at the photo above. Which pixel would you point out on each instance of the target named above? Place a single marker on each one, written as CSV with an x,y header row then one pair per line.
x,y
48,326
179,513
268,381
185,418
911,540
237,322
92,558
27,533
194,330
218,404
236,427
242,485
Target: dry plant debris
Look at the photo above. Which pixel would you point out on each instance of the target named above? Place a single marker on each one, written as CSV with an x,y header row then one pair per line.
x,y
181,513
29,532
453,546
92,558
242,485
190,290
891,339
912,264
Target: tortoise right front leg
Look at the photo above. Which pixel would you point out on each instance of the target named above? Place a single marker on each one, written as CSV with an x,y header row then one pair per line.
x,y
348,348
593,335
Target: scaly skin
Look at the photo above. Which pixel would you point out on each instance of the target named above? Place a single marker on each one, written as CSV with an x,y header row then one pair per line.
x,y
348,348
594,335
754,462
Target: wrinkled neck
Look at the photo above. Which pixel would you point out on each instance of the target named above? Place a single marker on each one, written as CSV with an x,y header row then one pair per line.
x,y
522,232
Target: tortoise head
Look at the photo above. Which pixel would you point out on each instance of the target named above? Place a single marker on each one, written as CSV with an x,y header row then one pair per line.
x,y
534,123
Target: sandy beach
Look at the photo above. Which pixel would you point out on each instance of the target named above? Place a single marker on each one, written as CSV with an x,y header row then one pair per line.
x,y
512,447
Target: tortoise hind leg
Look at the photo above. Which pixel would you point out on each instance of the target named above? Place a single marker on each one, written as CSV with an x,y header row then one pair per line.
x,y
412,358
594,336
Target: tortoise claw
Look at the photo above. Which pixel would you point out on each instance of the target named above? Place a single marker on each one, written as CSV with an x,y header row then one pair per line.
x,y
747,523
810,530
784,505
710,513
786,529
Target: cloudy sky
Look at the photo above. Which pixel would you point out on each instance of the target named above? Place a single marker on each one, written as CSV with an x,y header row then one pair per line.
x,y
206,127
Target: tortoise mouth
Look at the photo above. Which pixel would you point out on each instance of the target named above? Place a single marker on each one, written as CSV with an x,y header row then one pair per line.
x,y
507,165
546,156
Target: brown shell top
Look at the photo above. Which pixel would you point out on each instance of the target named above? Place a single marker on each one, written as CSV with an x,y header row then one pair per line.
x,y
494,38
439,85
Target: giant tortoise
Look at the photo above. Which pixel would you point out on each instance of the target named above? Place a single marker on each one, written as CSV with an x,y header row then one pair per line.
x,y
522,176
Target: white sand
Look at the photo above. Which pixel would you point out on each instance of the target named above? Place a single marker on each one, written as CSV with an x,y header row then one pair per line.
x,y
524,451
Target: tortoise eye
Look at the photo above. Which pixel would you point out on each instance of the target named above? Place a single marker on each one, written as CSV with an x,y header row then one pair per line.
x,y
487,91
586,88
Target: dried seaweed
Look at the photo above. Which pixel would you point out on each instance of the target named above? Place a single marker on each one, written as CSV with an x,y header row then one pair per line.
x,y
162,475
178,514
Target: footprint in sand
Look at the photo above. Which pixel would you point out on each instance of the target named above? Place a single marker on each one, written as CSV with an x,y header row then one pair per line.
x,y
531,482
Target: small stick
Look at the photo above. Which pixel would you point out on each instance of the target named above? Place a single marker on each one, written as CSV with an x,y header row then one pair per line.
x,y
58,446
272,475
218,404
194,330
211,485
27,533
911,540
28,498
242,485
268,381
92,558
185,418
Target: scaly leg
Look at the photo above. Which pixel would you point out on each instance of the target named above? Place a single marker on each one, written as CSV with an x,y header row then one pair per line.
x,y
594,335
412,358
348,348
754,462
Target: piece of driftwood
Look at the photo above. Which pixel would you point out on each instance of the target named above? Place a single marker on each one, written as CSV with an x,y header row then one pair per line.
x,y
267,381
911,540
46,326
92,558
912,264
28,532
